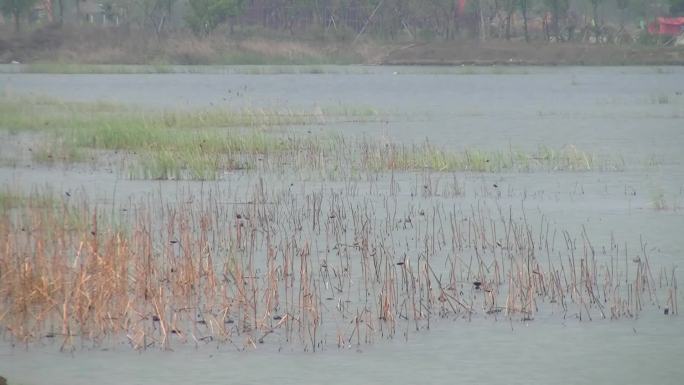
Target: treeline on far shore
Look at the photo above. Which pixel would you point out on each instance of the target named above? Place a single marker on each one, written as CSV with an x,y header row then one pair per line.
x,y
394,20
329,31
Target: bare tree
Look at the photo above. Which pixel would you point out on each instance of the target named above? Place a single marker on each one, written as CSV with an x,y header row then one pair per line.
x,y
524,7
597,24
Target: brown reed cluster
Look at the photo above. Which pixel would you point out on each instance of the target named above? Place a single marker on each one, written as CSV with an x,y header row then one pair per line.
x,y
326,268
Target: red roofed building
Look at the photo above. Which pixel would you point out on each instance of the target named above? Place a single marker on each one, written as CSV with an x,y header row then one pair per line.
x,y
461,7
667,26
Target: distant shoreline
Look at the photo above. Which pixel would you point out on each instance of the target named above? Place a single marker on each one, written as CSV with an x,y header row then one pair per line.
x,y
304,69
54,50
533,54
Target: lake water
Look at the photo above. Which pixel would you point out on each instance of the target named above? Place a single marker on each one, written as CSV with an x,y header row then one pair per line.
x,y
636,114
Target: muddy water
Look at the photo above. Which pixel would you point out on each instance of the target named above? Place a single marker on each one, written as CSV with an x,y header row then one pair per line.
x,y
634,113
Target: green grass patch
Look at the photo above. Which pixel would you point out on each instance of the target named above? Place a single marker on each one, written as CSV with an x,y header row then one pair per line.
x,y
41,114
72,68
166,144
58,151
183,165
13,199
427,156
231,65
71,211
202,144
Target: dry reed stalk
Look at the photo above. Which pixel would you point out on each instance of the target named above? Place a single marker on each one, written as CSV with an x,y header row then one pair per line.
x,y
202,272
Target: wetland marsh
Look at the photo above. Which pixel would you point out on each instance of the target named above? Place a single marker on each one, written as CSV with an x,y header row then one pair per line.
x,y
366,225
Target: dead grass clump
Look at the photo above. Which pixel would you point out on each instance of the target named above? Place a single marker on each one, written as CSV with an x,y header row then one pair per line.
x,y
190,51
287,49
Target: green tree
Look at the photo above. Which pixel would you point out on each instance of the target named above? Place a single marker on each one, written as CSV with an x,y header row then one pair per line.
x,y
16,9
206,15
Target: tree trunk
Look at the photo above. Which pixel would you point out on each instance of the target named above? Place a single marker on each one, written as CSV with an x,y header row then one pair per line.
x,y
78,11
597,29
61,11
17,27
523,6
554,22
483,30
508,23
